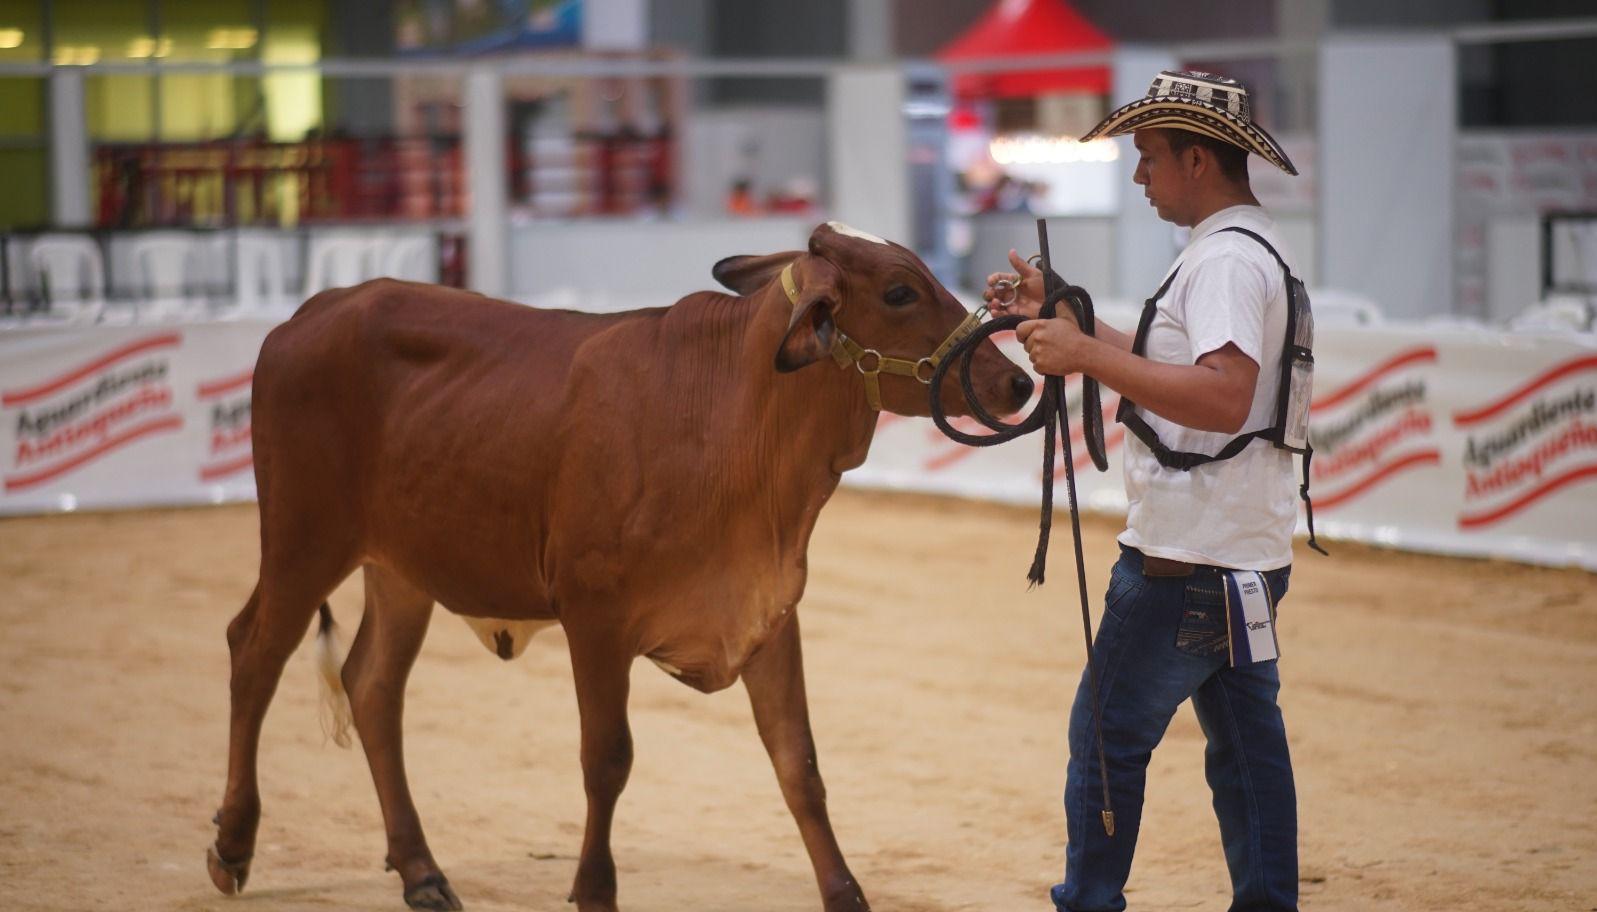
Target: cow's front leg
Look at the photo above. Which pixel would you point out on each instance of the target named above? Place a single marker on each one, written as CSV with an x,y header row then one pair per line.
x,y
774,677
390,636
601,668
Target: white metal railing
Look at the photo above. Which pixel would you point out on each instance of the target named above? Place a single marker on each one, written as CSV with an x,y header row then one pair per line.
x,y
550,65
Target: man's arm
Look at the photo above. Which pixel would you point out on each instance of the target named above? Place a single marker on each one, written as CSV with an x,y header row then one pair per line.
x,y
1214,394
1028,299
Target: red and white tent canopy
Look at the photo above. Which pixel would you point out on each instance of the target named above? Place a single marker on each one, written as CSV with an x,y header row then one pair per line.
x,y
1014,28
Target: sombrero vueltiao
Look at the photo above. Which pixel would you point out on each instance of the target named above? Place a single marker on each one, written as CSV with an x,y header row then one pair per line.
x,y
1200,103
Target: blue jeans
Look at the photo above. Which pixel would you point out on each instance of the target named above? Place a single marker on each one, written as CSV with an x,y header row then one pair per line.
x,y
1161,641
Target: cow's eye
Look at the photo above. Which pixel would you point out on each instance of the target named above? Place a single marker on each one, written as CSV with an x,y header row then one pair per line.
x,y
900,295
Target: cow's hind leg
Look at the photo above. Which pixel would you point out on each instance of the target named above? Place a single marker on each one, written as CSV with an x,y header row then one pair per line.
x,y
601,667
260,638
774,677
385,648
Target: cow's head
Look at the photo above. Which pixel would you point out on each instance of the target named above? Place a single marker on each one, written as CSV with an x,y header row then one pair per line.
x,y
881,296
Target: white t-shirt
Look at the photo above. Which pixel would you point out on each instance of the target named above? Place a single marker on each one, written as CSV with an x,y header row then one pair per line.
x,y
1238,512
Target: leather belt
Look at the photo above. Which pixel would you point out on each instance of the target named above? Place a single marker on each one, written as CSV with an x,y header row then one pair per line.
x,y
1164,566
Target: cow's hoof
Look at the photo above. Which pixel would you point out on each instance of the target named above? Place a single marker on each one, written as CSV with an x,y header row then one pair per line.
x,y
592,905
433,894
229,876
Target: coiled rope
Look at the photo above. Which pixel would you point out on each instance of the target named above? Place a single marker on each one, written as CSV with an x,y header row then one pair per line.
x,y
1052,416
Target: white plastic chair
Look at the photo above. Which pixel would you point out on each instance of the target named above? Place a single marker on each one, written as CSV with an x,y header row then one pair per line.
x,y
213,273
337,262
260,282
71,270
165,267
16,253
1335,307
162,264
1558,313
413,257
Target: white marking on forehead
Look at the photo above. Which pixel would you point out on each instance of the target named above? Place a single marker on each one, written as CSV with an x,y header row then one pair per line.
x,y
841,228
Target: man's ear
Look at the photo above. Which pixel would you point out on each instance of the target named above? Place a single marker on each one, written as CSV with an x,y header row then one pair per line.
x,y
748,274
811,330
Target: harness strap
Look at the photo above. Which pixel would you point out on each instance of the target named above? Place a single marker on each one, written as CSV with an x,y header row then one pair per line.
x,y
1308,505
1182,460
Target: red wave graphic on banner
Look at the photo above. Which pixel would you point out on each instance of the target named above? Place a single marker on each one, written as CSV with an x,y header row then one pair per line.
x,y
1349,458
224,469
1426,355
1110,441
952,451
1411,461
1557,372
165,340
153,426
1476,520
225,385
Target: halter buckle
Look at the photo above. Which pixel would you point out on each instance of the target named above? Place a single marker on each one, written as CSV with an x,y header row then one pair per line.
x,y
859,363
1005,290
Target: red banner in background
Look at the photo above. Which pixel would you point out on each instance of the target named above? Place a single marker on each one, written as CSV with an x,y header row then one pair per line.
x,y
228,399
1373,428
108,416
1437,439
112,396
1529,444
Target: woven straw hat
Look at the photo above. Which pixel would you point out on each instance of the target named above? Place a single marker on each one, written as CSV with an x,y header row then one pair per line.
x,y
1200,103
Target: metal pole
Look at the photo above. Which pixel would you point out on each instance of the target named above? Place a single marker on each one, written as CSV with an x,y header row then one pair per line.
x,y
483,150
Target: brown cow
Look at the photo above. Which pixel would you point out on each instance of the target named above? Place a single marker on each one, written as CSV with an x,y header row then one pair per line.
x,y
649,480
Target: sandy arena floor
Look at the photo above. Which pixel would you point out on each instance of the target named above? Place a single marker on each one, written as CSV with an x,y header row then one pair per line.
x,y
1443,717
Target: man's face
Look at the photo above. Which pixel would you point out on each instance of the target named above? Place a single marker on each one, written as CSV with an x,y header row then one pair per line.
x,y
1168,185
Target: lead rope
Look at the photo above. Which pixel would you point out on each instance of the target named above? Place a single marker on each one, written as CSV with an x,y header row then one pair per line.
x,y
1053,416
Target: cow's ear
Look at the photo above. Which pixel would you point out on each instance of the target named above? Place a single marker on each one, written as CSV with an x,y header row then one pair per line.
x,y
811,331
748,274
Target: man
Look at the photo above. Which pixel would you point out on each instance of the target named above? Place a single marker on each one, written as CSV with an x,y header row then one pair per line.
x,y
1207,371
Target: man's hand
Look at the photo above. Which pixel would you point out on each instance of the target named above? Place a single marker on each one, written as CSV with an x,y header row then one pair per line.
x,y
1024,294
1056,347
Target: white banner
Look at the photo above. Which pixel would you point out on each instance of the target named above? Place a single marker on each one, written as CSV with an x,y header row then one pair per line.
x,y
1459,442
1455,441
121,416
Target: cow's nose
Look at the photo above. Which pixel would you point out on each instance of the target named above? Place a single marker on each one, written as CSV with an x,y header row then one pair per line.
x,y
1020,387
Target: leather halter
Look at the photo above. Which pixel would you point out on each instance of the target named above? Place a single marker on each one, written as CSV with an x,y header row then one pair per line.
x,y
846,351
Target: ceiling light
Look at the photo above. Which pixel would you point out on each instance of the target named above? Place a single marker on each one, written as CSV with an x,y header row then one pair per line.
x,y
145,46
231,39
1031,149
76,55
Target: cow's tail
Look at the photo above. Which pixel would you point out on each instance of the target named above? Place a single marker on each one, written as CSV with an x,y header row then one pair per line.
x,y
334,712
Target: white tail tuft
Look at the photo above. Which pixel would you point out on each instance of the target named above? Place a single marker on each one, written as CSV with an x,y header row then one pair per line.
x,y
333,712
